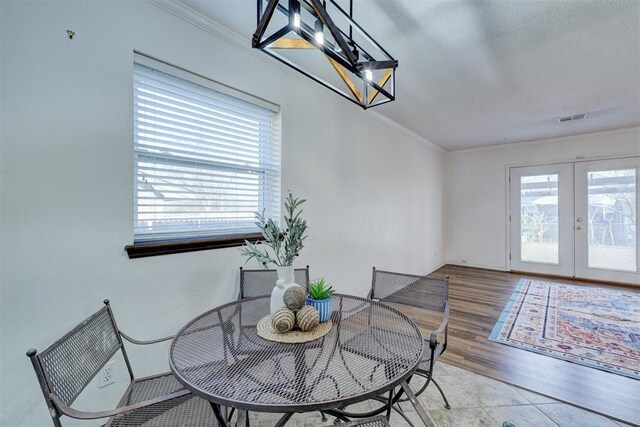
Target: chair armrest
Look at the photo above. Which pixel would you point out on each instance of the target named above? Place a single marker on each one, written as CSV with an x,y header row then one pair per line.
x,y
138,342
433,339
84,415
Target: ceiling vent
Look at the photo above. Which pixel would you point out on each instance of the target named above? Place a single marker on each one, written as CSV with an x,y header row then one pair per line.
x,y
573,118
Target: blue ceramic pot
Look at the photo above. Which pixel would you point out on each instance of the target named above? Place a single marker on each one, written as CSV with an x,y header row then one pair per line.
x,y
322,305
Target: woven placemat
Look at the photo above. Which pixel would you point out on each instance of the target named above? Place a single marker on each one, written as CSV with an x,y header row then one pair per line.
x,y
296,336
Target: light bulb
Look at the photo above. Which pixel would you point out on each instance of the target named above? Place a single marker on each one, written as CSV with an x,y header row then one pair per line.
x,y
319,33
368,74
294,10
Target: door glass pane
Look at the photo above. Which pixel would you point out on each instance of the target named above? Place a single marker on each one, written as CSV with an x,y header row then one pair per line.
x,y
612,219
539,218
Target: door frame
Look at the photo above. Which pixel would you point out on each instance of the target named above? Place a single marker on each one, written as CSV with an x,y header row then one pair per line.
x,y
582,268
565,265
507,191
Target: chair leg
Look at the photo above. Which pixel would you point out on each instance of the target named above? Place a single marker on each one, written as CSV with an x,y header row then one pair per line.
x,y
218,414
231,414
446,402
429,380
243,419
425,385
282,421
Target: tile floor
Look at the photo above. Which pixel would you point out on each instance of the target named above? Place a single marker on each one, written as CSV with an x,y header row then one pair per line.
x,y
475,401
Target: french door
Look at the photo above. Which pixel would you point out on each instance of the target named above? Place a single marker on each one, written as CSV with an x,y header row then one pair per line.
x,y
606,231
577,219
542,219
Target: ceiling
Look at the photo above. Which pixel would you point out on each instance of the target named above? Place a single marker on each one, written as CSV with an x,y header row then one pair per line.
x,y
476,73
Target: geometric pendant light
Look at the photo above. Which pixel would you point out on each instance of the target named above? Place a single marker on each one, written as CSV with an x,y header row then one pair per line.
x,y
322,41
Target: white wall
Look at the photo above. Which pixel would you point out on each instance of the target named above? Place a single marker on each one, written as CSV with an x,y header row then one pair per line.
x,y
375,192
476,189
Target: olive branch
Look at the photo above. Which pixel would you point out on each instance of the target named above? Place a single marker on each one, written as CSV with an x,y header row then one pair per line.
x,y
286,243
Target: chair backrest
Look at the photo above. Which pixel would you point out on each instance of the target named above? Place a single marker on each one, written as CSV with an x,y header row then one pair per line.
x,y
260,283
409,289
67,366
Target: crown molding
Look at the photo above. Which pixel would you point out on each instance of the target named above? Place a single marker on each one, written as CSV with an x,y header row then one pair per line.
x,y
551,139
187,13
390,122
192,16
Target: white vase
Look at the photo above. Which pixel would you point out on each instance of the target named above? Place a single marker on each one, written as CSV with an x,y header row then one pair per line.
x,y
285,279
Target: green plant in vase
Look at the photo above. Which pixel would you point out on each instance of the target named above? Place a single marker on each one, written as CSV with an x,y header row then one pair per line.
x,y
320,294
285,243
280,246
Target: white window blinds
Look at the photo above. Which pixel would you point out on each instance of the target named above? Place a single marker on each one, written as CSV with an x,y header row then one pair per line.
x,y
206,157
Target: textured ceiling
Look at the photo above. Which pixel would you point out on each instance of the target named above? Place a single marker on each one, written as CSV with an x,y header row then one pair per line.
x,y
476,73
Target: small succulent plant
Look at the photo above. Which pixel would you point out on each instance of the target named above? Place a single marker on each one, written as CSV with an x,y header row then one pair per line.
x,y
320,289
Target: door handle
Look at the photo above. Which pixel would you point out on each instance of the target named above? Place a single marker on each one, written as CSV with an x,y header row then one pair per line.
x,y
579,227
578,219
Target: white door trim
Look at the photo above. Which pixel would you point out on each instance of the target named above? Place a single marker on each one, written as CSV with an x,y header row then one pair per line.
x,y
507,189
583,270
565,264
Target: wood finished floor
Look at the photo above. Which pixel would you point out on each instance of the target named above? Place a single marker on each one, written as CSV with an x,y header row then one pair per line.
x,y
477,297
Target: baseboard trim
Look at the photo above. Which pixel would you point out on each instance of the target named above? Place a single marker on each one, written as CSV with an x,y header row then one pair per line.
x,y
436,267
477,265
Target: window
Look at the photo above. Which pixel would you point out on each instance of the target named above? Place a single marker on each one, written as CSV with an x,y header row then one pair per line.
x,y
206,156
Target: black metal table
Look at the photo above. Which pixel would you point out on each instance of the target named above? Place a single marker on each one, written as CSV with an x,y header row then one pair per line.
x,y
370,350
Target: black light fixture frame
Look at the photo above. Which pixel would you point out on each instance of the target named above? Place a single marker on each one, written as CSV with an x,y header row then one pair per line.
x,y
347,45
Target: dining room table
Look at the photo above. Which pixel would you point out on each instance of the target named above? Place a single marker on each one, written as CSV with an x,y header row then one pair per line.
x,y
370,352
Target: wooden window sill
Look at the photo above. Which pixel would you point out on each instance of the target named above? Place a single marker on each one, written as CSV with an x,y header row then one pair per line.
x,y
176,246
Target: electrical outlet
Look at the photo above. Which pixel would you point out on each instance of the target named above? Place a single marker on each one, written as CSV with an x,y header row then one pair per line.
x,y
107,374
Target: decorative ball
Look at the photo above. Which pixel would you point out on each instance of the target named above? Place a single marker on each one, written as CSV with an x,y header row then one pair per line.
x,y
283,320
294,297
307,318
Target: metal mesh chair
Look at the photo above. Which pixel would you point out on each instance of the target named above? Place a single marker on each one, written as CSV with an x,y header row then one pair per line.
x,y
260,283
423,292
67,366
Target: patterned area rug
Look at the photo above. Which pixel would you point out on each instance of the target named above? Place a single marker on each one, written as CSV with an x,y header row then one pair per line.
x,y
596,327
